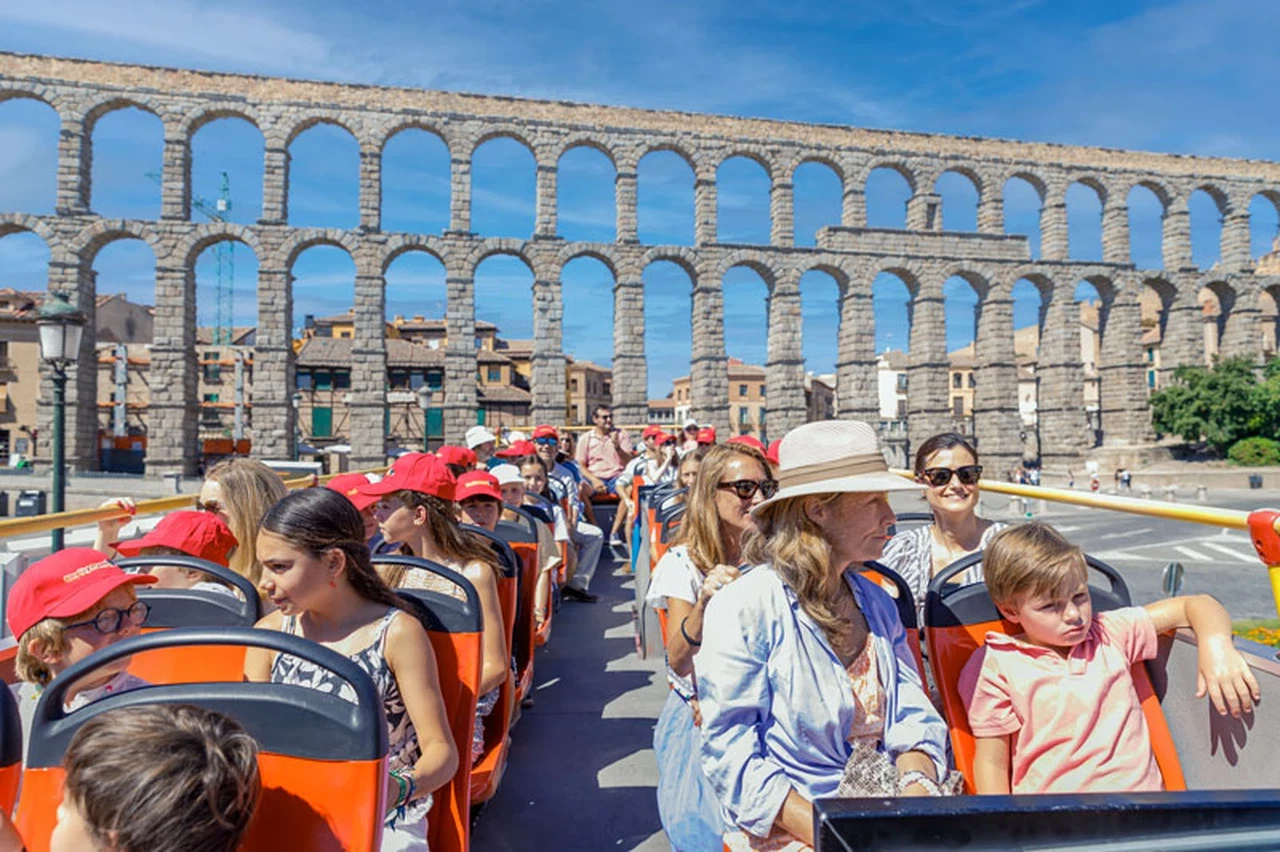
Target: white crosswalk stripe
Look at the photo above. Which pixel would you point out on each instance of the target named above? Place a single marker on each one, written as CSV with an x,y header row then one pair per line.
x,y
1250,558
1192,554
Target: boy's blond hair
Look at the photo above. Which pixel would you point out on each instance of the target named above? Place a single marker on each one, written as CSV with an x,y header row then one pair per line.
x,y
1029,560
52,633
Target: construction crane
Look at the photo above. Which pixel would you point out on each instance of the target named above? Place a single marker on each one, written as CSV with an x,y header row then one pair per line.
x,y
224,255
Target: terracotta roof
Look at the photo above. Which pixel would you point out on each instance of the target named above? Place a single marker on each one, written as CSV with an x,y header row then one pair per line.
x,y
19,305
502,393
590,365
336,352
659,404
241,335
435,324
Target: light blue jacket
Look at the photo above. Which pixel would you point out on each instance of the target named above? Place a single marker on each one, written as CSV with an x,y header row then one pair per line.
x,y
777,705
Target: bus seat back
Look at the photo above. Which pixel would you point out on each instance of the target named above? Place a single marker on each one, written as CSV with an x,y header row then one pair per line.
x,y
903,598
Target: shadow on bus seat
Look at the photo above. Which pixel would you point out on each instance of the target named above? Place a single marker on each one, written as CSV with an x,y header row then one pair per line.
x,y
957,619
896,587
487,772
909,518
10,750
522,536
456,629
323,759
172,608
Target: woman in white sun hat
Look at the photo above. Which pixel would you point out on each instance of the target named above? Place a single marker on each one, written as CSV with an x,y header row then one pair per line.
x,y
806,681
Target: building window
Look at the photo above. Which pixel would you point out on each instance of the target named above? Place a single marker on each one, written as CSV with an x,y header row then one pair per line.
x,y
957,380
324,380
742,391
1151,378
416,380
321,422
435,379
762,391
303,379
399,379
1151,354
972,382
210,397
902,382
957,406
744,415
573,385
902,409
342,379
495,374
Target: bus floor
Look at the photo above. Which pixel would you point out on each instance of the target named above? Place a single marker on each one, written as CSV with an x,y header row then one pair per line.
x,y
582,774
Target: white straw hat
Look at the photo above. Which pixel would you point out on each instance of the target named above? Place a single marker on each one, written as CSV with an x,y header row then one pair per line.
x,y
478,435
832,456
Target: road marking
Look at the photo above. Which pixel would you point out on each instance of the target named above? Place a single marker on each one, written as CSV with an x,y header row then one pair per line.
x,y
1127,533
1235,554
1192,554
1066,529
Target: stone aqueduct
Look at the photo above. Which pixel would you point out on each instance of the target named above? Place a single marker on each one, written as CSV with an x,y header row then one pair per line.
x,y
922,255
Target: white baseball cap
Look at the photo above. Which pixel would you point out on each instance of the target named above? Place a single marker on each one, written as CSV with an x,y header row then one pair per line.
x,y
478,435
506,474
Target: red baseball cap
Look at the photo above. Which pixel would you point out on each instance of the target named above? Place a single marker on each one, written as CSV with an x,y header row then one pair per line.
x,y
545,431
349,485
772,453
200,534
65,584
667,438
518,449
425,473
460,456
706,435
748,440
652,431
478,483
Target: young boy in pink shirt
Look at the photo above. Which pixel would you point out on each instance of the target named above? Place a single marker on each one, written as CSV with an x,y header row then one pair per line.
x,y
1054,708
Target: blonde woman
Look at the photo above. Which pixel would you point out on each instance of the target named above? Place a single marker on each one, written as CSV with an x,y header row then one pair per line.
x,y
805,680
239,491
733,479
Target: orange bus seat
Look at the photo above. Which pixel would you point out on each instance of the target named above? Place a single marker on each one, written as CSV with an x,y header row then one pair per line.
x,y
896,587
487,772
522,536
172,608
10,750
957,620
456,630
8,660
323,774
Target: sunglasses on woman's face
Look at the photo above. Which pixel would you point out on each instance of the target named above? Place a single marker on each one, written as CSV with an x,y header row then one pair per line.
x,y
939,477
211,506
747,488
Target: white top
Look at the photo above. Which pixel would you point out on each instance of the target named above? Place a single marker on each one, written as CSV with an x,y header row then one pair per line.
x,y
28,696
675,576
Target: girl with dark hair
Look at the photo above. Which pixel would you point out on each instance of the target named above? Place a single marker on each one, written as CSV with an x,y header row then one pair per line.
x,y
947,465
316,571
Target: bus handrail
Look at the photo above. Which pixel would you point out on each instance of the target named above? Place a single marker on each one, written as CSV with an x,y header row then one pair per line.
x,y
13,527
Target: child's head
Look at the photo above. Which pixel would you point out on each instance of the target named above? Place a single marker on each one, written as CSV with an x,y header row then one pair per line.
x,y
239,491
480,499
689,467
511,483
200,534
157,778
1039,581
349,485
68,605
533,470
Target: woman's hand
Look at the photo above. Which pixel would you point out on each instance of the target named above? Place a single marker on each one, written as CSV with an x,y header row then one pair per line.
x,y
1225,677
109,530
716,579
915,790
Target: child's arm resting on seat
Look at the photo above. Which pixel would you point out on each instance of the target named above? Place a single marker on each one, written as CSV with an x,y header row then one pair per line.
x,y
1223,675
991,765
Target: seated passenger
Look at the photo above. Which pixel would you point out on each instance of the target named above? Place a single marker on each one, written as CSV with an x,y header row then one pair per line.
x,y
657,465
479,499
157,778
62,609
805,679
690,439
239,491
482,442
511,480
348,485
459,460
1054,708
947,465
566,484
316,570
603,454
198,534
690,464
416,508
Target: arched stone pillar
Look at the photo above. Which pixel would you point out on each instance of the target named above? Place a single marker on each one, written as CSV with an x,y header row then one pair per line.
x,y
175,184
275,421
625,203
928,380
368,400
857,379
76,279
370,188
174,413
782,229
75,168
996,419
853,198
1122,373
1175,235
1063,424
275,186
459,190
1235,245
1053,224
460,398
548,346
1242,337
709,370
544,226
924,211
784,372
1115,230
1183,340
991,210
630,369
704,205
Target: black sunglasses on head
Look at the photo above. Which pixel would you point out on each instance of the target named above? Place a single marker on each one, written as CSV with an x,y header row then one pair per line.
x,y
747,488
940,476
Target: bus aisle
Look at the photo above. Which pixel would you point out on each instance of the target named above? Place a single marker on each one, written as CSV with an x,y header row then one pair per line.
x,y
582,774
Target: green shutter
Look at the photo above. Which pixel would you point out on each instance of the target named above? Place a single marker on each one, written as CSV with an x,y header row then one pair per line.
x,y
321,422
435,422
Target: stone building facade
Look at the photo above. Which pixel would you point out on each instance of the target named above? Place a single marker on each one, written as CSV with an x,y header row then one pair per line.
x,y
922,255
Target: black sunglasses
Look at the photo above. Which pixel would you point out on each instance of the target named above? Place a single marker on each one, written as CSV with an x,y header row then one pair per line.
x,y
747,488
940,476
108,621
211,506
546,442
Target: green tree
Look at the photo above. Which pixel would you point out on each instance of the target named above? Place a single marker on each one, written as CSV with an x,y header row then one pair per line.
x,y
1219,405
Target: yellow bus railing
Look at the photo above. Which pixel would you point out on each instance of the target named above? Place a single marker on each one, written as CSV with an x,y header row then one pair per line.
x,y
1235,519
13,527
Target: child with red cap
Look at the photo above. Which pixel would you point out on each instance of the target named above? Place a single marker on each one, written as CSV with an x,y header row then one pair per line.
x,y
62,609
199,534
479,499
416,508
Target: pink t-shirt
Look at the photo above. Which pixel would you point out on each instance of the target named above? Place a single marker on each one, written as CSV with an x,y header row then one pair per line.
x,y
1077,722
598,454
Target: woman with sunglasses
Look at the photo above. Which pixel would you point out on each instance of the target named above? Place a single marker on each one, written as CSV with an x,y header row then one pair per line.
x,y
947,465
704,559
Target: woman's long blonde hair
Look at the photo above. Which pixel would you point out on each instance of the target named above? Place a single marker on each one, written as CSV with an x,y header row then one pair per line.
x,y
249,489
787,537
700,526
446,533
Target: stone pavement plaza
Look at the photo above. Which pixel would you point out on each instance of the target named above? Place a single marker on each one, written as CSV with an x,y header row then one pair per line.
x,y
922,255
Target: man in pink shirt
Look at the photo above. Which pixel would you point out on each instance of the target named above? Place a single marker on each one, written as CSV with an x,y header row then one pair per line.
x,y
603,454
1054,709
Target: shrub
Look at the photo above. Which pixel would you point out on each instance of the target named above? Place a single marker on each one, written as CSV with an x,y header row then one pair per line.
x,y
1255,452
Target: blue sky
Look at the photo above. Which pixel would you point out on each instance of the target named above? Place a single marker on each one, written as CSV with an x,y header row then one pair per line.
x,y
1195,76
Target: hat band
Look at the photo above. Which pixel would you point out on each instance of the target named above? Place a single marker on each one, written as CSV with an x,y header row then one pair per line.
x,y
836,469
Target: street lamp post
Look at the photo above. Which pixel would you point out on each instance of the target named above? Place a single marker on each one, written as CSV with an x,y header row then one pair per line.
x,y
424,402
61,328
